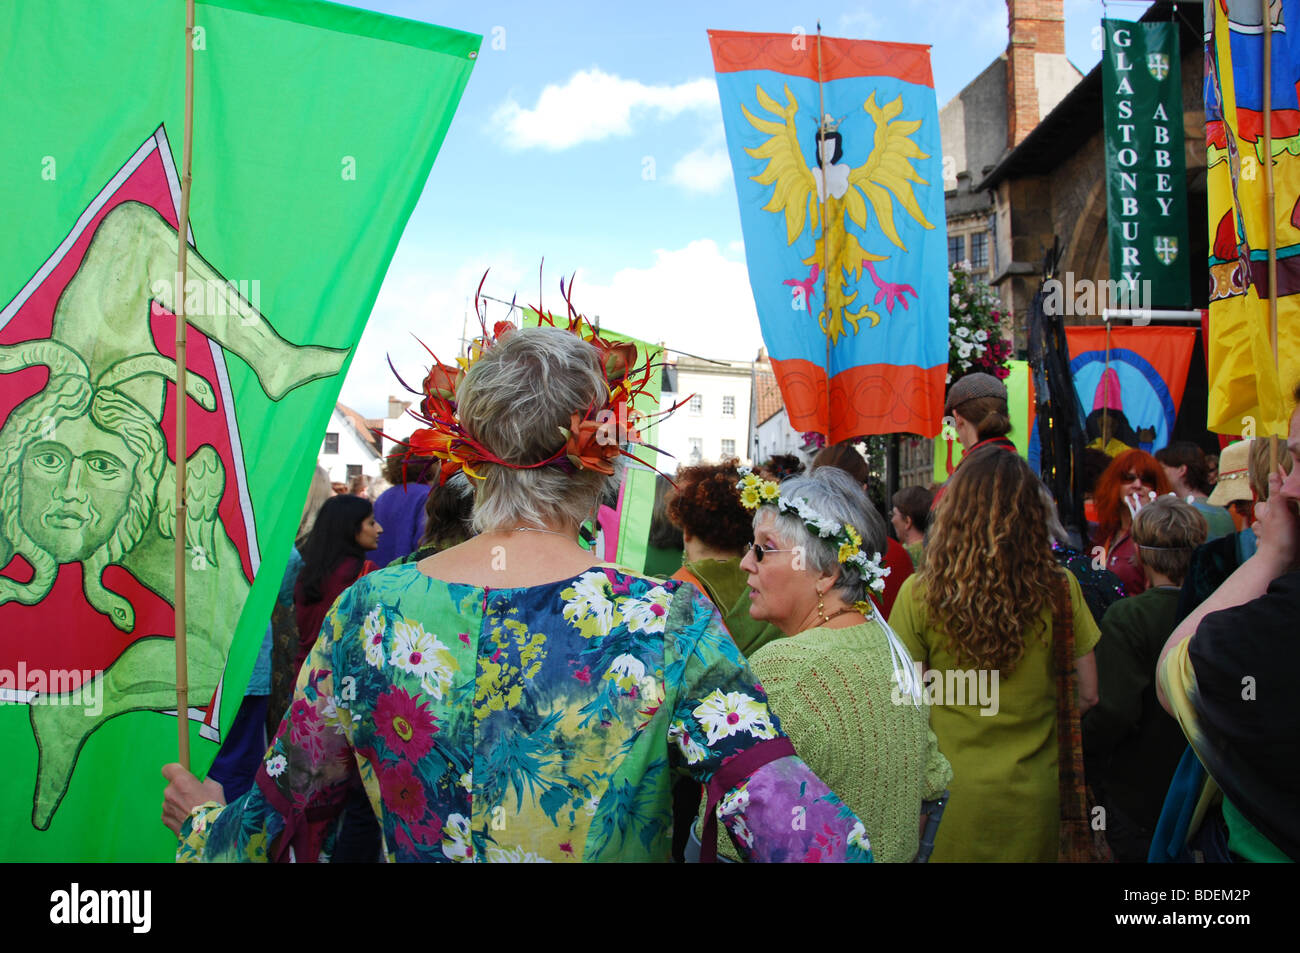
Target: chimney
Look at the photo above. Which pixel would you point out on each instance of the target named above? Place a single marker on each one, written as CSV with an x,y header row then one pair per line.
x,y
396,407
1033,27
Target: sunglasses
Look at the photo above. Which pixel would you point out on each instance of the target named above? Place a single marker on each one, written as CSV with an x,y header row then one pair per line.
x,y
759,551
1130,477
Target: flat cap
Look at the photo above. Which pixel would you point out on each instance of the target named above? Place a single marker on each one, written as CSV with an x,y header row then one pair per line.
x,y
972,386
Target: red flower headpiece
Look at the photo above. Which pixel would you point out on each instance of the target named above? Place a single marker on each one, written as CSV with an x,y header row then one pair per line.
x,y
592,440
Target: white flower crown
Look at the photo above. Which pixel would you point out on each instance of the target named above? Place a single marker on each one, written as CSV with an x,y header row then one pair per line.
x,y
756,492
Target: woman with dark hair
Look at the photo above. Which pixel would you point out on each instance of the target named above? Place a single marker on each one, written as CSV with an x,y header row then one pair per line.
x,y
1133,479
910,517
1002,632
782,466
715,531
333,558
1189,475
400,508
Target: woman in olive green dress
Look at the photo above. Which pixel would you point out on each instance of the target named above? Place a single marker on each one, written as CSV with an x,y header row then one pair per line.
x,y
979,620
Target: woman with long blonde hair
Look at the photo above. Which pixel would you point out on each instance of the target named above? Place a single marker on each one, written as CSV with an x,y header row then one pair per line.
x,y
983,619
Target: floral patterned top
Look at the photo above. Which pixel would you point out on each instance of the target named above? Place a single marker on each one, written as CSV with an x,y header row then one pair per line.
x,y
530,724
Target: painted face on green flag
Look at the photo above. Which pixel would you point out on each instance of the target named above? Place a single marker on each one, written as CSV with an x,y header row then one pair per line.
x,y
86,477
75,489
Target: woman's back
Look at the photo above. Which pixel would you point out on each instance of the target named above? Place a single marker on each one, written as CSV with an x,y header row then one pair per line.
x,y
998,728
517,723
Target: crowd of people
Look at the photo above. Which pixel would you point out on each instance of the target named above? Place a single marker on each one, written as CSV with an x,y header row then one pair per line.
x,y
796,675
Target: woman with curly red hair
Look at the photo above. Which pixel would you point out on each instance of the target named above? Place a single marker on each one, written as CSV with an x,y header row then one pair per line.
x,y
1133,479
715,531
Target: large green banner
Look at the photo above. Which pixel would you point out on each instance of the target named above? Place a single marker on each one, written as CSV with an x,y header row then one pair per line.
x,y
1146,176
315,127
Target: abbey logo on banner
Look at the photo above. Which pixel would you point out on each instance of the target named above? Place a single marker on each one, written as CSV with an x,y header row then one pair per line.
x,y
1146,178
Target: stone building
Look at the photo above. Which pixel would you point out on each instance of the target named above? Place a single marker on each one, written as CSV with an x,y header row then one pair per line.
x,y
992,115
1052,185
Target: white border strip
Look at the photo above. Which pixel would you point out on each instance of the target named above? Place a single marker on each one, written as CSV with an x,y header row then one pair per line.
x,y
241,478
213,732
223,376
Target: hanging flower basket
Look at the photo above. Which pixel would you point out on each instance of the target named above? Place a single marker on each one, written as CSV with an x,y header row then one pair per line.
x,y
975,339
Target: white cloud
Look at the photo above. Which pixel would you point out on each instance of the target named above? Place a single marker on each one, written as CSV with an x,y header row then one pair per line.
x,y
433,305
695,298
859,23
595,105
706,169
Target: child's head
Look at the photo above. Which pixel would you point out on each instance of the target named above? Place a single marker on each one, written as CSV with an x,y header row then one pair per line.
x,y
1166,531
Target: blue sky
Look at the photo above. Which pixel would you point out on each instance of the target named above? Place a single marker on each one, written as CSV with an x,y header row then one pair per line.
x,y
590,134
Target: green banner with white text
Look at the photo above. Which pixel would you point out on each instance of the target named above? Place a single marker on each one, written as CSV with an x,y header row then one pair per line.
x,y
315,128
1146,175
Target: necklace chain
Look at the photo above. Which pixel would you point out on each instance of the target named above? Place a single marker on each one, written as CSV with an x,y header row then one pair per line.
x,y
841,612
536,529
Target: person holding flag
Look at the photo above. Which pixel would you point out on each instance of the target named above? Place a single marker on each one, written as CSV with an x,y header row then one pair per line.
x,y
506,699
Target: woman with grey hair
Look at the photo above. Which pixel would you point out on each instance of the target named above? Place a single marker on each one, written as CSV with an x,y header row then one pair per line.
x,y
511,699
842,684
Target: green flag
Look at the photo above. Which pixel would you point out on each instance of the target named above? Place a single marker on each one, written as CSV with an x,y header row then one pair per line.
x,y
315,127
1146,176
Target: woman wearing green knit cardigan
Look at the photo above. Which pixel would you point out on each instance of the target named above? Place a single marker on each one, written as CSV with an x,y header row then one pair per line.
x,y
842,684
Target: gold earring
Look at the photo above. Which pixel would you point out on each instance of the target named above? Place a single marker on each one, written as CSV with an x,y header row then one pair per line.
x,y
821,606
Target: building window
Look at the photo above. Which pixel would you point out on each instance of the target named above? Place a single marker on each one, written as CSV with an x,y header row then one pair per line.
x,y
354,471
979,251
956,249
728,406
728,449
697,450
697,405
331,443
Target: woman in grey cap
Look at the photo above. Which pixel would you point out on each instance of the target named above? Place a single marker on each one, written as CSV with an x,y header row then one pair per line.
x,y
978,405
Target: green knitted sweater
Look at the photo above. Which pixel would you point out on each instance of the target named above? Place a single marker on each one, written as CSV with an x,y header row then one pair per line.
x,y
833,690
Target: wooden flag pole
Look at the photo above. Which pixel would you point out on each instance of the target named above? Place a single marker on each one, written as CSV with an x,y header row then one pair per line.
x,y
1272,212
821,206
183,244
1105,382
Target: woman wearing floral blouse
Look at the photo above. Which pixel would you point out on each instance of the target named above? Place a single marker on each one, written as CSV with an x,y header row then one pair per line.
x,y
506,699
